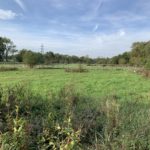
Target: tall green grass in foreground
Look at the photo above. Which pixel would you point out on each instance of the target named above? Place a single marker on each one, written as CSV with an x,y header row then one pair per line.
x,y
70,121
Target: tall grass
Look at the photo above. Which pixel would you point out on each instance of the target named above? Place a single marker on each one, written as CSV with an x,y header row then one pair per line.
x,y
68,120
2,68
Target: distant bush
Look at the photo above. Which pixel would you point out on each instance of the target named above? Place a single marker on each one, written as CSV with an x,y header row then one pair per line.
x,y
147,65
79,69
144,72
48,67
8,69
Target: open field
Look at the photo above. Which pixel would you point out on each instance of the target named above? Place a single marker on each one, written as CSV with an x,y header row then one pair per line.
x,y
106,108
101,82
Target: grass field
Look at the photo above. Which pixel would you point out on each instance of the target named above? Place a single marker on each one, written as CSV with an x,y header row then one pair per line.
x,y
106,108
101,82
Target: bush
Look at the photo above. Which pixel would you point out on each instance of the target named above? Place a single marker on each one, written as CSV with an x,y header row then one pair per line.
x,y
8,69
30,58
80,69
144,72
147,65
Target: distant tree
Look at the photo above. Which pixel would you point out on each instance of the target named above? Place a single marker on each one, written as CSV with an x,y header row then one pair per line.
x,y
140,52
138,49
101,60
7,47
115,60
19,56
2,49
30,58
75,59
126,57
49,58
88,60
122,61
40,58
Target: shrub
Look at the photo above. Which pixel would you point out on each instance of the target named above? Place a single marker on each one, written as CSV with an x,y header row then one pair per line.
x,y
80,69
8,69
147,65
30,58
144,72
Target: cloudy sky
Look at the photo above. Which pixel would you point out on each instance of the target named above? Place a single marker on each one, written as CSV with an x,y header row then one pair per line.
x,y
76,27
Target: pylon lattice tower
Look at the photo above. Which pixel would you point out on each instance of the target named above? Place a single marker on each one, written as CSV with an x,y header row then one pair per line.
x,y
42,49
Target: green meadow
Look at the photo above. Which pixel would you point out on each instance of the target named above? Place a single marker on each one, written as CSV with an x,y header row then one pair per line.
x,y
103,108
98,82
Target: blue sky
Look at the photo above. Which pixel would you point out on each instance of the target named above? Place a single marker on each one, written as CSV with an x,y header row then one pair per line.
x,y
76,27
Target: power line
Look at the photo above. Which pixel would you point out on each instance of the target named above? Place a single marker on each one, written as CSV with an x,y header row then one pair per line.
x,y
42,49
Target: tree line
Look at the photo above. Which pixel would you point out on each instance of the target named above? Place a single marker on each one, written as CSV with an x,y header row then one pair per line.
x,y
139,55
34,58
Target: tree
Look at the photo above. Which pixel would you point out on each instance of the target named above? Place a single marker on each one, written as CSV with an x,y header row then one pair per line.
x,y
30,58
2,49
49,58
10,47
6,47
122,61
115,60
19,56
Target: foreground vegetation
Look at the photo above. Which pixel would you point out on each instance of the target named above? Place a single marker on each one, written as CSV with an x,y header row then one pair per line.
x,y
102,108
68,120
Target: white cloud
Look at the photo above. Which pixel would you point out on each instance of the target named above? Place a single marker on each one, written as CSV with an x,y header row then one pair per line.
x,y
96,27
122,32
21,4
7,14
